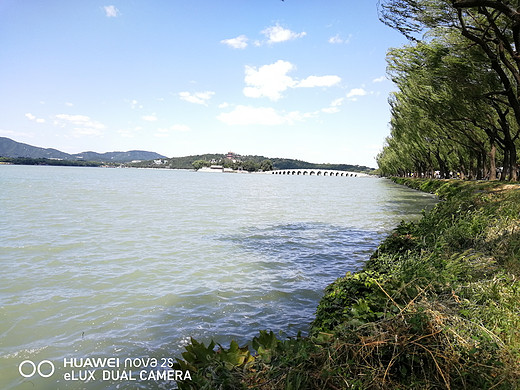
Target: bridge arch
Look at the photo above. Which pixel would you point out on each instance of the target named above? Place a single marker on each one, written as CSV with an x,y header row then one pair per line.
x,y
317,172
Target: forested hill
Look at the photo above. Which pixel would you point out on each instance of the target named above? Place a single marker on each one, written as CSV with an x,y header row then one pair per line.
x,y
187,162
13,149
10,148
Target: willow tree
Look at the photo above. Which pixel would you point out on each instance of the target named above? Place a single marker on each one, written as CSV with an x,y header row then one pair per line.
x,y
438,103
491,26
453,86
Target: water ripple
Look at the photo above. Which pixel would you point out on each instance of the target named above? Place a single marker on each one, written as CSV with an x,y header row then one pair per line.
x,y
126,263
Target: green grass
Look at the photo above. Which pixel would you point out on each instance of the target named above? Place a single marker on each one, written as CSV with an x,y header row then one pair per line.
x,y
437,306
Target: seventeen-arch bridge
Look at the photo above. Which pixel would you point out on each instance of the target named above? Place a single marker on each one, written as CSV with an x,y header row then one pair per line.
x,y
316,172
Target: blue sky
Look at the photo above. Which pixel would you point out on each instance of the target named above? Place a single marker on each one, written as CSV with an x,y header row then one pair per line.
x,y
297,79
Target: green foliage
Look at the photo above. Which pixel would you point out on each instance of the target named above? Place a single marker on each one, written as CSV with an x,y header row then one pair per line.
x,y
236,368
402,240
352,300
265,344
198,164
266,165
212,368
250,166
449,117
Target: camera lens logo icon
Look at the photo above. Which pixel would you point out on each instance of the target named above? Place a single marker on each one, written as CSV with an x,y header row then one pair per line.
x,y
28,368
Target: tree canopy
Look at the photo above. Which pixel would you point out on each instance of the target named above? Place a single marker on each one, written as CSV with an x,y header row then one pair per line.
x,y
457,107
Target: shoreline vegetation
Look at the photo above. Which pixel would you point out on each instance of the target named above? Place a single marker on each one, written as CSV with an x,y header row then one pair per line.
x,y
435,307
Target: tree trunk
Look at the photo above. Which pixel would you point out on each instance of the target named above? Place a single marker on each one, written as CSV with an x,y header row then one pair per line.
x,y
492,162
505,165
512,163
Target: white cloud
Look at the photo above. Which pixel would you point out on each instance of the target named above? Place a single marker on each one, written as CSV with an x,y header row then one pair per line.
x,y
337,102
197,97
336,39
149,118
268,80
355,92
239,42
267,116
69,104
33,118
273,34
319,81
135,104
277,33
271,80
83,125
379,79
111,11
333,108
223,105
330,110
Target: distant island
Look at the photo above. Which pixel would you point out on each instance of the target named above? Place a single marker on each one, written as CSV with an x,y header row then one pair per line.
x,y
19,153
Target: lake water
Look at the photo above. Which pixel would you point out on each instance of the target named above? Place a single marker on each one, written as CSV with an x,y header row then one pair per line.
x,y
127,263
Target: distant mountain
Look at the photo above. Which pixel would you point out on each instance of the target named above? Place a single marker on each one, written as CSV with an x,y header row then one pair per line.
x,y
10,148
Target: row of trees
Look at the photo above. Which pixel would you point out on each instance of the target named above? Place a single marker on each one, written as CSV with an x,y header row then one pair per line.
x,y
457,107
